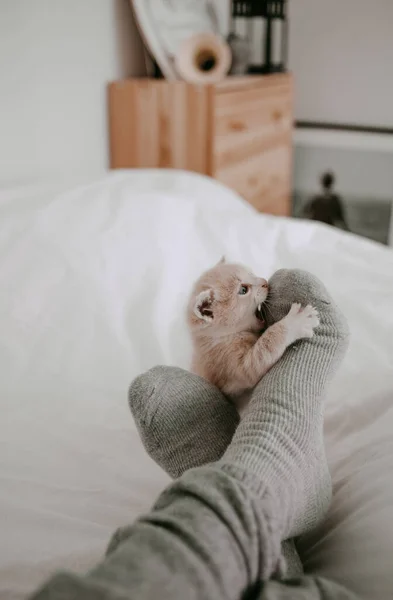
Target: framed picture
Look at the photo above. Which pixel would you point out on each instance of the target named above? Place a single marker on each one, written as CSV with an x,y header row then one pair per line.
x,y
345,179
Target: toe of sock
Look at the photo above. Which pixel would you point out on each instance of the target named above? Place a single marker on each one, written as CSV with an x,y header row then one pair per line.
x,y
141,390
295,285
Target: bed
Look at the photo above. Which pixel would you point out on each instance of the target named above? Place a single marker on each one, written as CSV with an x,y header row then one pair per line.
x,y
93,282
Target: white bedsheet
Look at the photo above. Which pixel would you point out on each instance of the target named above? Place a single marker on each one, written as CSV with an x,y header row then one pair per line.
x,y
93,284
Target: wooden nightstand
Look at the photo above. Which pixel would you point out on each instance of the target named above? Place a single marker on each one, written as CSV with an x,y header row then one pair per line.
x,y
239,132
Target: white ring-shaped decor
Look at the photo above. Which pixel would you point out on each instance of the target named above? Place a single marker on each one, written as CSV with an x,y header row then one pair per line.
x,y
204,58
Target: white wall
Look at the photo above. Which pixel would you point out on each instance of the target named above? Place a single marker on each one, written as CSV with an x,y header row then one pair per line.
x,y
341,52
56,57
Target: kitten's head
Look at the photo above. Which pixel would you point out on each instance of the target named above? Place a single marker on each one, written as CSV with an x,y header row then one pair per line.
x,y
227,299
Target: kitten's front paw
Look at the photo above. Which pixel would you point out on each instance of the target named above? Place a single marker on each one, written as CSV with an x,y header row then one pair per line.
x,y
301,322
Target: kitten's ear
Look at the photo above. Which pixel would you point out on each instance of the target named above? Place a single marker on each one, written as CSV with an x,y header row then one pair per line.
x,y
203,308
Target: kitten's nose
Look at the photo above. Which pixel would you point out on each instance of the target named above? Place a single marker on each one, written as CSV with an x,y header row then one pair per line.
x,y
264,284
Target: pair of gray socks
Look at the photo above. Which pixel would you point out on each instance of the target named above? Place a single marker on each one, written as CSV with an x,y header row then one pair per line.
x,y
216,532
185,422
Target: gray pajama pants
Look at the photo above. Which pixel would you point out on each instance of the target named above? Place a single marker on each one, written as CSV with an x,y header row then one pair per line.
x,y
209,537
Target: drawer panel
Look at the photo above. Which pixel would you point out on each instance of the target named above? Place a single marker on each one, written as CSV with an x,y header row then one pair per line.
x,y
237,111
247,122
247,89
263,179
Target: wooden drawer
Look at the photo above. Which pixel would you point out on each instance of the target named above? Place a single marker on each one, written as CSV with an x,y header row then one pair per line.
x,y
244,128
252,142
263,179
240,109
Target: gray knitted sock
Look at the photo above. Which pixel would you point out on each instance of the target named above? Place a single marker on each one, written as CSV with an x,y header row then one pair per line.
x,y
279,442
183,420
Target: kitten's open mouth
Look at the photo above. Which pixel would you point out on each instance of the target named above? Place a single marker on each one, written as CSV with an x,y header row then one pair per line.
x,y
259,313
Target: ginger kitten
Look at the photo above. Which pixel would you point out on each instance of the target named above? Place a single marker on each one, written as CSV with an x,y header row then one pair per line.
x,y
226,320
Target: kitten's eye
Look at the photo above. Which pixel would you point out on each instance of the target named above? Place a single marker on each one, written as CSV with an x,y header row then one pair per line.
x,y
244,289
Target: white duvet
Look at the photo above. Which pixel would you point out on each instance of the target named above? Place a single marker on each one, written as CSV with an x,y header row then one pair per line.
x,y
93,284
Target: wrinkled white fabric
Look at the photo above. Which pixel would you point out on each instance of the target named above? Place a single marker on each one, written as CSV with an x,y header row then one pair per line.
x,y
93,285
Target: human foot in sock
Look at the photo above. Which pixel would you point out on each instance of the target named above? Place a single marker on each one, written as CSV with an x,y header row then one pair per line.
x,y
279,442
185,422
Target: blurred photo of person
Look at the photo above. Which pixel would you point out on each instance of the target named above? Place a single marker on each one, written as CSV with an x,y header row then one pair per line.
x,y
327,206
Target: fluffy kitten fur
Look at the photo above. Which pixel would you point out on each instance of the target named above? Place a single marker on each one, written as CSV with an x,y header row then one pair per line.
x,y
225,325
